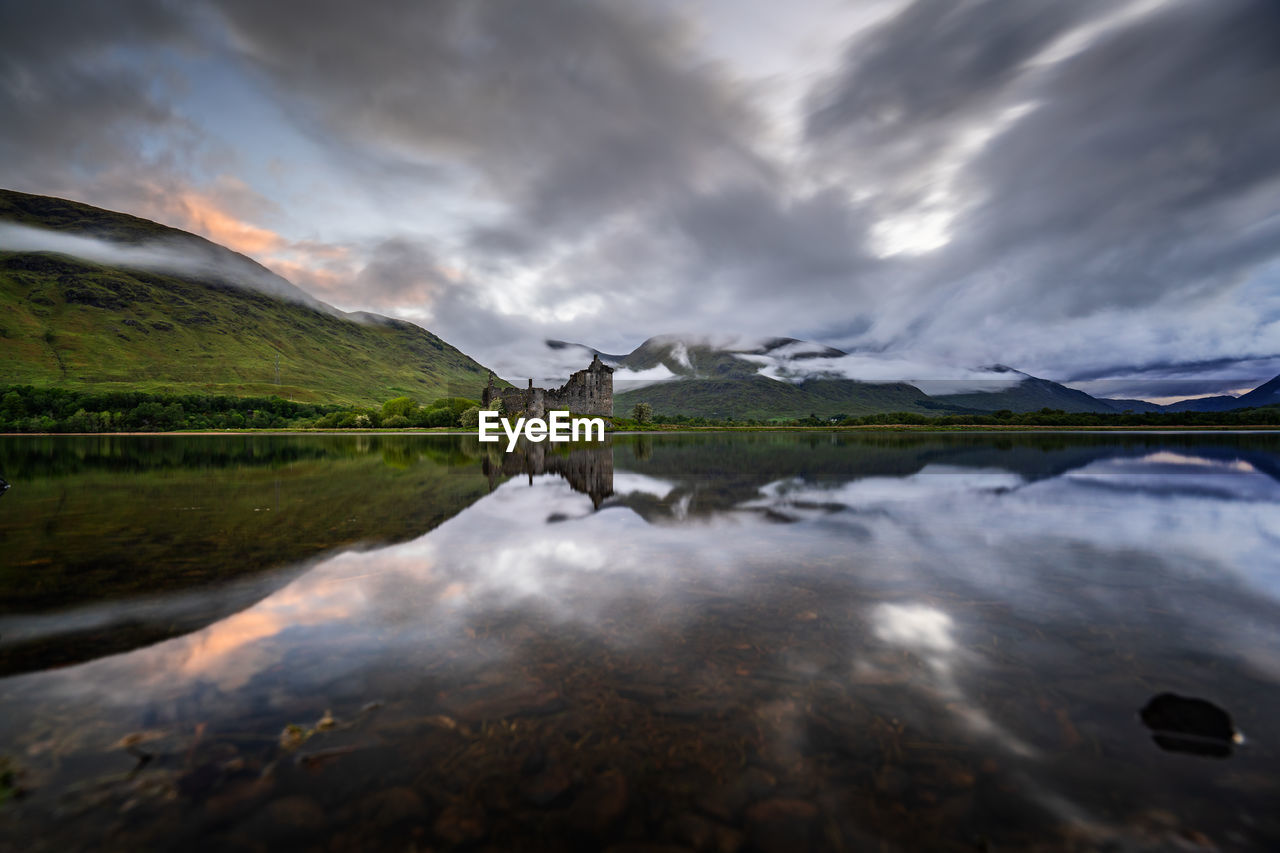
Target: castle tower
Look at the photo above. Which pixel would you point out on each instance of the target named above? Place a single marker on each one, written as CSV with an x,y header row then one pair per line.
x,y
489,392
588,392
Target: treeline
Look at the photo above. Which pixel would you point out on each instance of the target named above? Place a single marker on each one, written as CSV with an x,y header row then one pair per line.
x,y
1261,416
24,408
400,413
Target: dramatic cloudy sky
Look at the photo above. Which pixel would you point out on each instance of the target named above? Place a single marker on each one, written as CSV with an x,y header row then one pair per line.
x,y
1086,190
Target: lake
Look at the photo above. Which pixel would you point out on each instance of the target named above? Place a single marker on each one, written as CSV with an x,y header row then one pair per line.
x,y
715,641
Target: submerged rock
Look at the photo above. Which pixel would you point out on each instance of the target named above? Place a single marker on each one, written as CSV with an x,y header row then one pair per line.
x,y
1189,725
705,835
726,802
460,824
238,797
289,818
392,807
598,808
480,702
690,709
547,787
784,826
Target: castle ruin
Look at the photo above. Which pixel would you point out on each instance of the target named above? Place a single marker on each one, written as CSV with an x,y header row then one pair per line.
x,y
588,392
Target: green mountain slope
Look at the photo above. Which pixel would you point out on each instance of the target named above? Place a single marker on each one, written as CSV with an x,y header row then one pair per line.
x,y
70,322
760,397
721,380
1029,395
1266,394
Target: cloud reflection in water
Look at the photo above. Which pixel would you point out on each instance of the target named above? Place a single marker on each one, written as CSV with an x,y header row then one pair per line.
x,y
1021,618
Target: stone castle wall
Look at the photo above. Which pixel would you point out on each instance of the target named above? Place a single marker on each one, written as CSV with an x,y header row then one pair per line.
x,y
588,392
588,470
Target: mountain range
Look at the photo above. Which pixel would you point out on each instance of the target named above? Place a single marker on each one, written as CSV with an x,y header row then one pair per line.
x,y
92,299
788,378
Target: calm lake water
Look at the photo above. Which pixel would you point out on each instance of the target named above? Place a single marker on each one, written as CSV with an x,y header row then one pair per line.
x,y
740,641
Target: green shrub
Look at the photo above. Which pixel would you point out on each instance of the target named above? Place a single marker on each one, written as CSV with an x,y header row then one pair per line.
x,y
440,418
399,406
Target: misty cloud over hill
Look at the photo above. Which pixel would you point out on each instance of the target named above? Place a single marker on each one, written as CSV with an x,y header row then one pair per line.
x,y
1083,190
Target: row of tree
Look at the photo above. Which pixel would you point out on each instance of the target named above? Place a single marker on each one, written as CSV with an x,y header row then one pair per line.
x,y
24,408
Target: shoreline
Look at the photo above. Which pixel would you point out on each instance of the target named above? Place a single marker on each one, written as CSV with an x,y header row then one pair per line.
x,y
675,429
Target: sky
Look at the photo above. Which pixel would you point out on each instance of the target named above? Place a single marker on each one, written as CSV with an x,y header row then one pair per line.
x,y
1088,191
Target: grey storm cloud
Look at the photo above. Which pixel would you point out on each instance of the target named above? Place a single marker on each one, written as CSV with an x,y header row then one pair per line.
x,y
1120,182
572,111
1145,165
1138,168
1084,190
79,90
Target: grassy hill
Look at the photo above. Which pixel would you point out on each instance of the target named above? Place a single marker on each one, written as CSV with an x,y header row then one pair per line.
x,y
1033,394
74,323
762,398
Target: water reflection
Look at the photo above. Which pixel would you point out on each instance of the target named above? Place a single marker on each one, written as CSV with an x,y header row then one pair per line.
x,y
719,642
114,542
588,470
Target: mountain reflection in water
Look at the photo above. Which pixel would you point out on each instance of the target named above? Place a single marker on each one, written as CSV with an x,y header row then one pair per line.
x,y
711,642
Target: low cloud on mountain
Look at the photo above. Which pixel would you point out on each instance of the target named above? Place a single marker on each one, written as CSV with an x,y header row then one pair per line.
x,y
1082,190
184,257
930,377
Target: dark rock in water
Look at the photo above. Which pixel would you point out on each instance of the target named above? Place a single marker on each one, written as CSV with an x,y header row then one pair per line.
x,y
1188,725
698,832
892,781
598,808
479,702
289,818
643,692
460,824
534,763
237,798
726,802
729,840
197,783
784,826
689,709
547,787
392,807
704,835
